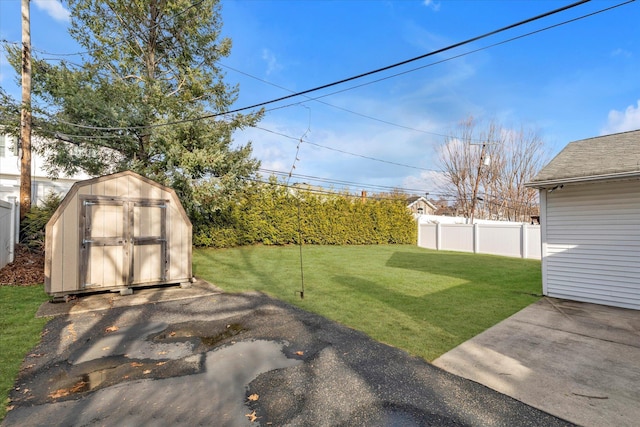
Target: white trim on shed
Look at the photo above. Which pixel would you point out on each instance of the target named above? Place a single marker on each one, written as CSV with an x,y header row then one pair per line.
x,y
591,242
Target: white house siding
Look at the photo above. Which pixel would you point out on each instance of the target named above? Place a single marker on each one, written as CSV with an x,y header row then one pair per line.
x,y
41,184
591,243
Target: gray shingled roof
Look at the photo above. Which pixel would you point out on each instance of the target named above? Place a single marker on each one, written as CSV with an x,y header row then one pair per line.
x,y
599,158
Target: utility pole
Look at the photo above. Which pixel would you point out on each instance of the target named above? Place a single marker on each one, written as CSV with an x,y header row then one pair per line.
x,y
25,116
475,186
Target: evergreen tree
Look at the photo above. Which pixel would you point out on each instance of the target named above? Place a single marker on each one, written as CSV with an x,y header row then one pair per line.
x,y
148,96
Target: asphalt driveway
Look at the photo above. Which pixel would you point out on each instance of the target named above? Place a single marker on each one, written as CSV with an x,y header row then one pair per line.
x,y
191,357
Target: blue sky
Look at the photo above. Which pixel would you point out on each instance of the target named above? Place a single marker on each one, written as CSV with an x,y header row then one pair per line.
x,y
575,81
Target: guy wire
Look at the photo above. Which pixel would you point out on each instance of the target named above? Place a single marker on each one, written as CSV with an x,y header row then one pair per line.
x,y
293,166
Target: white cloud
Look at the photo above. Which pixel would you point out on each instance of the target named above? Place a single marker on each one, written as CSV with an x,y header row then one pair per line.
x,y
272,62
55,9
621,52
433,182
432,4
622,121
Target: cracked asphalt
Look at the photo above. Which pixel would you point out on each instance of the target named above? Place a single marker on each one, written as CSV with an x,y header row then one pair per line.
x,y
239,360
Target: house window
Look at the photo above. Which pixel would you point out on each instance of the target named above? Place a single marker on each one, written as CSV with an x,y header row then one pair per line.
x,y
8,147
420,211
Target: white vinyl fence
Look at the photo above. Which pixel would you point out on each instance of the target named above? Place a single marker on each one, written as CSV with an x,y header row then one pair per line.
x,y
508,239
9,226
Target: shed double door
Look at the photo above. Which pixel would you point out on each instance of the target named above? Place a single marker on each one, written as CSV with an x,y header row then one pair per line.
x,y
123,242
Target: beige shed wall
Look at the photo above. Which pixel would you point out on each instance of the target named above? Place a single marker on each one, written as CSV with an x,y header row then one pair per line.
x,y
64,237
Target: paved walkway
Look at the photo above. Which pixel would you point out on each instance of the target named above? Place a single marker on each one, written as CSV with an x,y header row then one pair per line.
x,y
575,360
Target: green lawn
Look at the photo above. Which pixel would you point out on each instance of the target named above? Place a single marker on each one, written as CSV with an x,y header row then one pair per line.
x,y
423,301
19,331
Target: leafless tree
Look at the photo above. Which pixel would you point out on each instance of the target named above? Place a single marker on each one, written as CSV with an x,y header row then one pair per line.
x,y
487,165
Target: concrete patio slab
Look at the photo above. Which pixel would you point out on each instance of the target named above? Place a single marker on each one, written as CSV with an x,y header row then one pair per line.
x,y
578,361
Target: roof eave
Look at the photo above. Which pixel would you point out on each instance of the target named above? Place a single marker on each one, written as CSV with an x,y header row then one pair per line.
x,y
582,179
431,205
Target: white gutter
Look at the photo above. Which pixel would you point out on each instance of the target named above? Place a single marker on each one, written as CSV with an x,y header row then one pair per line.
x,y
582,179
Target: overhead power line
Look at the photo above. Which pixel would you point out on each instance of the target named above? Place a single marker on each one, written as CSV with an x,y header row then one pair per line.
x,y
318,191
76,139
317,99
343,151
360,185
345,80
417,58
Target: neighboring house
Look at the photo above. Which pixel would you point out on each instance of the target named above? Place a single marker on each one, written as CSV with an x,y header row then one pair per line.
x,y
590,221
420,205
40,183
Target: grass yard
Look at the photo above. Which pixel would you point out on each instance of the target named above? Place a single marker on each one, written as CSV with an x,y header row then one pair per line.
x,y
20,331
425,302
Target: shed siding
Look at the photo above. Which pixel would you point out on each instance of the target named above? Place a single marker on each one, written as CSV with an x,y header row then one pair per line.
x,y
110,265
592,250
67,255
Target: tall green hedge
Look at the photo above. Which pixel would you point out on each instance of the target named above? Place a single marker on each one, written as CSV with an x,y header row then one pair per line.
x,y
272,214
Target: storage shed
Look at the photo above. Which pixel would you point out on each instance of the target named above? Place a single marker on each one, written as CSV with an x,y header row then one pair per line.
x,y
590,221
117,232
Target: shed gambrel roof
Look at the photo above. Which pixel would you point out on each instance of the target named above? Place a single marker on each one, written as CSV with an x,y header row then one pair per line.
x,y
594,159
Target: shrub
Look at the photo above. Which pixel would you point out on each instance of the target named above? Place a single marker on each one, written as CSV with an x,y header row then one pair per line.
x,y
269,214
33,225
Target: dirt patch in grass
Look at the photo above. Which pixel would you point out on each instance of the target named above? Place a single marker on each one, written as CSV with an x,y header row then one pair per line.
x,y
26,269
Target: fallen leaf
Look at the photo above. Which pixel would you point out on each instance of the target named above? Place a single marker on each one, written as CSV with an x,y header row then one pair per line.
x,y
136,364
105,348
126,377
78,387
59,393
67,391
252,416
111,328
299,353
254,397
72,332
146,371
161,363
172,334
161,353
9,408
